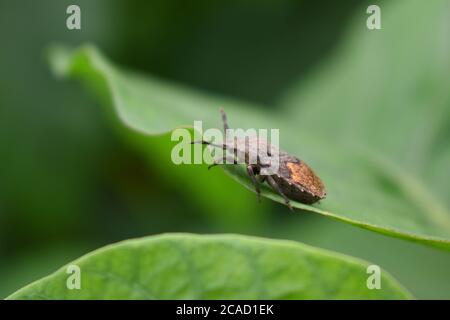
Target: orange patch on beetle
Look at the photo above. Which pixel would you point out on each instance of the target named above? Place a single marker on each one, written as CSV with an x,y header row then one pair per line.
x,y
301,174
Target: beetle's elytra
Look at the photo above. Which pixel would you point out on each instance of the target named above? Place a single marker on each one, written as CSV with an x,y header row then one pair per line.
x,y
294,180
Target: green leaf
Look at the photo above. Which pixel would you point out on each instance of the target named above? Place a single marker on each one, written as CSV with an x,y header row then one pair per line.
x,y
150,107
384,97
364,187
187,266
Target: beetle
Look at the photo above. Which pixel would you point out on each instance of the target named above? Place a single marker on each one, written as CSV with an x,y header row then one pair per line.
x,y
294,179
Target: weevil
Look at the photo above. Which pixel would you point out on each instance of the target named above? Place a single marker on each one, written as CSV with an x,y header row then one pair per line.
x,y
294,179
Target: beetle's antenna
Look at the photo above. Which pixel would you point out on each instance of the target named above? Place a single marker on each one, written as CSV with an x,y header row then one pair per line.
x,y
224,120
225,128
223,146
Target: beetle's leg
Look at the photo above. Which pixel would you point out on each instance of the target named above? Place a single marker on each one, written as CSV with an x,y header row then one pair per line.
x,y
222,146
218,160
255,182
275,186
225,159
261,179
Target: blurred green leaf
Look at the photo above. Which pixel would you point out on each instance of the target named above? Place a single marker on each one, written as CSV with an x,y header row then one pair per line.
x,y
187,266
131,95
364,188
385,94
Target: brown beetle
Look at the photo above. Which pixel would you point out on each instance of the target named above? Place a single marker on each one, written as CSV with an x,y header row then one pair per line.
x,y
294,178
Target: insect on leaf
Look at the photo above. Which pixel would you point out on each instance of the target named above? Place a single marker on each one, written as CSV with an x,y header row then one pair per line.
x,y
364,187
